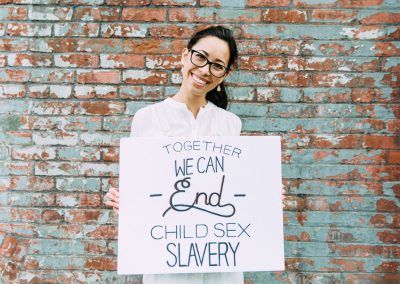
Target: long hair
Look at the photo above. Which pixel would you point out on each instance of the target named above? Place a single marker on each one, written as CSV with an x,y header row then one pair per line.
x,y
219,98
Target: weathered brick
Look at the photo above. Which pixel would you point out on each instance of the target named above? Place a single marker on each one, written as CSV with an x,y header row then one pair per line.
x,y
77,29
102,108
103,14
13,13
98,76
126,30
290,16
122,61
49,91
76,60
144,77
144,14
50,13
13,44
88,92
28,29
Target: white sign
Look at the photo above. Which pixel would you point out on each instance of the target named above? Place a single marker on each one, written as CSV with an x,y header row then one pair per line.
x,y
204,204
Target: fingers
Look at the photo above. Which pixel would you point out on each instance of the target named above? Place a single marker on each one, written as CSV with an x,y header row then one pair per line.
x,y
283,192
112,199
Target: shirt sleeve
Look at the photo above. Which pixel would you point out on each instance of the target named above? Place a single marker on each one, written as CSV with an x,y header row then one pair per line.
x,y
137,123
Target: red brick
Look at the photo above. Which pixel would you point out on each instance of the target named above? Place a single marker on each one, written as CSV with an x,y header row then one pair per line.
x,y
380,142
170,31
96,14
110,154
122,61
99,76
188,15
359,4
388,267
16,13
104,232
381,18
147,46
290,16
266,3
385,205
101,263
8,75
174,2
52,216
386,49
389,236
337,141
12,44
128,2
335,15
102,108
393,157
144,14
82,216
8,246
77,60
262,63
301,3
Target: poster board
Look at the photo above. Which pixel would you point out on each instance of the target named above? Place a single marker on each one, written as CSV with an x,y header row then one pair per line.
x,y
204,204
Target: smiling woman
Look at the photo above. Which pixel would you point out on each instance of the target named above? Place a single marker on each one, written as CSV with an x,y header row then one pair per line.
x,y
197,109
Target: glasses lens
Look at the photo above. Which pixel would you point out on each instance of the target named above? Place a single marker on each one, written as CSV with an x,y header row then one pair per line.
x,y
198,59
217,70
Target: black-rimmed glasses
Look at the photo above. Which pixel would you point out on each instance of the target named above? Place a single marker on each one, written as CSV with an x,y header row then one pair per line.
x,y
200,60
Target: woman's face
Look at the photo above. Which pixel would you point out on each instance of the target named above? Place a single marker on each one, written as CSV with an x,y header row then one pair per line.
x,y
199,80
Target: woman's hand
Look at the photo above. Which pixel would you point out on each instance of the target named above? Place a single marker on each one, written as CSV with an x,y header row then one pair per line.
x,y
112,198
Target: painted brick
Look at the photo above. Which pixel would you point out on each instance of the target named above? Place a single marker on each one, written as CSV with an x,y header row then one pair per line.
x,y
102,14
88,92
321,74
50,13
123,30
49,91
77,29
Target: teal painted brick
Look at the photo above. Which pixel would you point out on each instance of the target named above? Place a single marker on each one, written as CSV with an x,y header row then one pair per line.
x,y
329,188
323,95
76,169
78,154
14,107
64,123
318,2
26,199
384,111
353,48
252,110
101,138
5,214
228,3
54,231
241,93
340,235
117,123
290,95
389,188
63,247
340,219
15,168
291,110
323,32
347,156
3,153
229,14
79,184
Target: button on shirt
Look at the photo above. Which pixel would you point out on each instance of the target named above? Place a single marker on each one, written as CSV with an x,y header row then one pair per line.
x,y
172,118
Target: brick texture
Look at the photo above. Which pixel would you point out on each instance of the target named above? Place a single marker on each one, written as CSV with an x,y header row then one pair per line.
x,y
322,74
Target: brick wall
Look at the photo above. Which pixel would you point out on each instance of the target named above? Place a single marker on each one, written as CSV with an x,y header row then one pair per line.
x,y
322,74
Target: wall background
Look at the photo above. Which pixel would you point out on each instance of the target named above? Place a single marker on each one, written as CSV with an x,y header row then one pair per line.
x,y
322,74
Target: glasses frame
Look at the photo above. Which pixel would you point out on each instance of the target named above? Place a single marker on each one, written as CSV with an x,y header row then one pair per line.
x,y
207,62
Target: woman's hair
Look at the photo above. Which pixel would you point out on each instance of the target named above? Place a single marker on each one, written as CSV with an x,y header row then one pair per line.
x,y
219,98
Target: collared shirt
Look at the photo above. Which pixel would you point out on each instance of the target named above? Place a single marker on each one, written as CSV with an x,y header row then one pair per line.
x,y
172,118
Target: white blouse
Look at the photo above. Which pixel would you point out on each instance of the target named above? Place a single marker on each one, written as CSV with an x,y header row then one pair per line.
x,y
172,118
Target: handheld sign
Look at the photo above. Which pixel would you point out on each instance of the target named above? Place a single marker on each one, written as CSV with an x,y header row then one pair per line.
x,y
204,204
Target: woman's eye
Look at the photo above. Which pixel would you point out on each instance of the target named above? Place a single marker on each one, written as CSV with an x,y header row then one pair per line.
x,y
218,67
200,56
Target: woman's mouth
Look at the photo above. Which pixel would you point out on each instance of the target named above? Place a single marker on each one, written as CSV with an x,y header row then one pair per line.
x,y
198,80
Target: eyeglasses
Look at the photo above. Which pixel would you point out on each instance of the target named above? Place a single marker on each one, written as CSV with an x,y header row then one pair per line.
x,y
200,60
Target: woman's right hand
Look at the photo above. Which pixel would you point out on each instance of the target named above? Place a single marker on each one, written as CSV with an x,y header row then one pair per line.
x,y
112,198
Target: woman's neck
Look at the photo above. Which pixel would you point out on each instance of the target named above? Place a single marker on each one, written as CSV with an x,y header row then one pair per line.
x,y
193,103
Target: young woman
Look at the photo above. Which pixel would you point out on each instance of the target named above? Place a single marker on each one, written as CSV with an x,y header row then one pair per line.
x,y
198,109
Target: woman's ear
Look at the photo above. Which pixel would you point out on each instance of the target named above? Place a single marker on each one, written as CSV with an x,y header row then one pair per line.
x,y
185,53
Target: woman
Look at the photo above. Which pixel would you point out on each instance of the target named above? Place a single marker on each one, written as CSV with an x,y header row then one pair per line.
x,y
198,109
